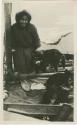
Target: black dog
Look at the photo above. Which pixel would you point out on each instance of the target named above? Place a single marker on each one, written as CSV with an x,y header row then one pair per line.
x,y
55,93
48,57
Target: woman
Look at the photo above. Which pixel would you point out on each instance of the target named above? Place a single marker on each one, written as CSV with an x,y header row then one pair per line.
x,y
22,40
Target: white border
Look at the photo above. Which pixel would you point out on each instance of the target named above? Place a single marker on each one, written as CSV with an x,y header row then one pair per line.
x,y
75,66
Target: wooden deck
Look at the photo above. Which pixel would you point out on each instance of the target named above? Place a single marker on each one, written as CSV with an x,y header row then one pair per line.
x,y
28,103
59,112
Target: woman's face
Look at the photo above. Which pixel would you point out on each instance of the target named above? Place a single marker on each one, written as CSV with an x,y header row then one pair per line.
x,y
23,21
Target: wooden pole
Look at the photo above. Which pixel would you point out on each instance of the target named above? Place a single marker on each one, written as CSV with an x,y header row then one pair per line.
x,y
7,21
7,25
30,76
7,14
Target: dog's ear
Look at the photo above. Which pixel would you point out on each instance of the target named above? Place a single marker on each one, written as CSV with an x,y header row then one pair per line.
x,y
67,72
